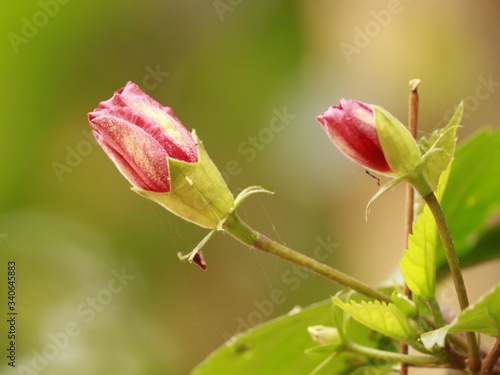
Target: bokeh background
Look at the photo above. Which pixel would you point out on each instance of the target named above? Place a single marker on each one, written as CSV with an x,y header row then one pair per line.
x,y
97,267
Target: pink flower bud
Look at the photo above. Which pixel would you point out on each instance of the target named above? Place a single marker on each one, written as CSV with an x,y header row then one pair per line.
x,y
139,135
351,127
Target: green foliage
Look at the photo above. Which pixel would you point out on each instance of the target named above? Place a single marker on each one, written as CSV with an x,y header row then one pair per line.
x,y
365,370
439,149
275,347
381,317
471,198
482,316
284,346
418,264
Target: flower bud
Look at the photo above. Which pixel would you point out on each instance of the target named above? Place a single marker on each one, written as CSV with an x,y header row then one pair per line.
x,y
351,127
159,157
372,137
324,335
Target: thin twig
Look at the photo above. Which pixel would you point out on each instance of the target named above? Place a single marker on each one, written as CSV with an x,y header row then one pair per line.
x,y
242,232
410,194
491,359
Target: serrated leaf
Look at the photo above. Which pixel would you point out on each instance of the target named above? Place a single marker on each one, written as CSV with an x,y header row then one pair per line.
x,y
471,198
439,149
381,317
279,346
287,339
483,317
418,264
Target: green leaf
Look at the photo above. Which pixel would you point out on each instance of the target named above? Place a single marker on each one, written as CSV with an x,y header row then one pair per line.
x,y
275,347
400,149
483,317
284,346
418,264
486,248
472,198
382,370
439,149
381,317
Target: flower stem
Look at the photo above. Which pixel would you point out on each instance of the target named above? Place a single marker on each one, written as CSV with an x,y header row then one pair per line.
x,y
456,273
436,312
242,232
420,360
491,359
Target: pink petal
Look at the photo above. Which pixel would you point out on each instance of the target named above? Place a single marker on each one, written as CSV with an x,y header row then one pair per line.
x,y
140,158
134,106
351,127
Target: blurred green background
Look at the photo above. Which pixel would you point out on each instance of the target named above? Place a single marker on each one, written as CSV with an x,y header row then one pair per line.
x,y
226,67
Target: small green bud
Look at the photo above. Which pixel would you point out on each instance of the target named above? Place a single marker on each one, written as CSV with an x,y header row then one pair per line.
x,y
324,335
404,304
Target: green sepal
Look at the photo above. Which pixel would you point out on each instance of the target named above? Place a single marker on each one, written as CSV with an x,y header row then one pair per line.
x,y
381,191
245,193
198,192
439,149
400,148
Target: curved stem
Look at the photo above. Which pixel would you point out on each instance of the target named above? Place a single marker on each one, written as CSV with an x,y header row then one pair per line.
x,y
420,360
456,273
491,359
242,232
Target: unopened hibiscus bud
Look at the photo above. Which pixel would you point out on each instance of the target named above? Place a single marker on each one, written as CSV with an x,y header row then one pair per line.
x,y
160,158
351,127
372,137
